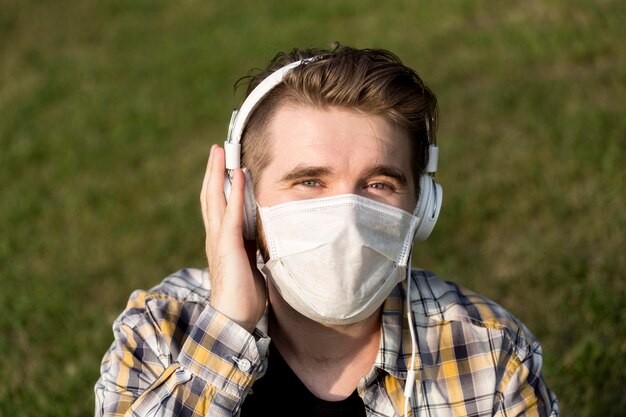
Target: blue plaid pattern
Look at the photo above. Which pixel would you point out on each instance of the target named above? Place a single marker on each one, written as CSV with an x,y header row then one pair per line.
x,y
174,355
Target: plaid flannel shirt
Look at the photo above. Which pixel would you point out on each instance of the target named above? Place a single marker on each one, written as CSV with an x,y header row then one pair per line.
x,y
173,354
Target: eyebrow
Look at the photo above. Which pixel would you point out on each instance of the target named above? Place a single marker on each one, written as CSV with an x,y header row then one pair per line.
x,y
306,171
387,171
301,171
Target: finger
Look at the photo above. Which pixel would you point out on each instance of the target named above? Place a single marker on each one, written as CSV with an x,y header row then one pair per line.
x,y
203,191
214,198
233,217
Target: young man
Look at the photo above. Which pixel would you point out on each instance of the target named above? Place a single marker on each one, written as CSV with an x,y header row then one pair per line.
x,y
309,306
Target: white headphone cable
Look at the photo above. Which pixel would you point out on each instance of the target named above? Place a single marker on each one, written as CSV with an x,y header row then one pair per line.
x,y
410,377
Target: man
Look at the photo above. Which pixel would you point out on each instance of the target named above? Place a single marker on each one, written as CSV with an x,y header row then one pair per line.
x,y
309,305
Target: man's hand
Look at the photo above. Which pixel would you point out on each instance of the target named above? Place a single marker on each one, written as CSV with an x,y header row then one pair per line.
x,y
237,288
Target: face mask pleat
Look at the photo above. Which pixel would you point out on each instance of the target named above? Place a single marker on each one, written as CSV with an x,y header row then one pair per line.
x,y
336,259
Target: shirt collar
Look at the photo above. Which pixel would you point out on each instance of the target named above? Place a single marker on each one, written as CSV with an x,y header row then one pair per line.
x,y
394,354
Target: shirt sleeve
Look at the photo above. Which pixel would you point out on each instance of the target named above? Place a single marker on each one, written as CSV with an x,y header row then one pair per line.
x,y
173,358
522,390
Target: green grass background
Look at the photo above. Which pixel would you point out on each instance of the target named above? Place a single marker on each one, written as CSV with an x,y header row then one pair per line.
x,y
108,110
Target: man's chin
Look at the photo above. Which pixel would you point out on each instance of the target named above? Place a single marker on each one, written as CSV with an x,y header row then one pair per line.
x,y
284,309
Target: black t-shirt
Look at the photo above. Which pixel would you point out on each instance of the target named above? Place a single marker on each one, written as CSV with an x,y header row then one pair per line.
x,y
280,392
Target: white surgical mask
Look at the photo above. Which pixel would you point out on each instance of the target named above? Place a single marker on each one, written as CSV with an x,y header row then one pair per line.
x,y
336,259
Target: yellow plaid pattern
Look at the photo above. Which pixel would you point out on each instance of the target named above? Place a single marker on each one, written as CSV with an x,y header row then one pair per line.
x,y
174,355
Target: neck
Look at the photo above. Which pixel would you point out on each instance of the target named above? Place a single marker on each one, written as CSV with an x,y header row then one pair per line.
x,y
329,360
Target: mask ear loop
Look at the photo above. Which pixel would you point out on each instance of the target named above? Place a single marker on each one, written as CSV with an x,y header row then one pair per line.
x,y
410,377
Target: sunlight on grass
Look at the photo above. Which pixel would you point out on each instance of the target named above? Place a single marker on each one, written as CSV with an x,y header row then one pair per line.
x,y
108,109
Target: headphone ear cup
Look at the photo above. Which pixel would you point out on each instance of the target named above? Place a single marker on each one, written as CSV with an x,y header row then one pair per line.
x,y
249,205
428,206
249,208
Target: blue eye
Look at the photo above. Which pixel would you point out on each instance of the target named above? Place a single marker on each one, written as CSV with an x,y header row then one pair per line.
x,y
378,185
310,183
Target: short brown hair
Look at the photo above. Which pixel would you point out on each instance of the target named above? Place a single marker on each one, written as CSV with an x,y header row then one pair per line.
x,y
372,81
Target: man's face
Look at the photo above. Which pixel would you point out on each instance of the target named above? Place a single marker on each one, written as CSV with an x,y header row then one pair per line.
x,y
321,153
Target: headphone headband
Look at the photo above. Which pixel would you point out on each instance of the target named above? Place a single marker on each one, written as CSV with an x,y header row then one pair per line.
x,y
239,118
428,204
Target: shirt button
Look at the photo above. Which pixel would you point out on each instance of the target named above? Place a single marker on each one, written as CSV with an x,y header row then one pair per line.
x,y
244,365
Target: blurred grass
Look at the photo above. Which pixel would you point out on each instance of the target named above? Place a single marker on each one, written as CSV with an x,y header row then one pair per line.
x,y
108,109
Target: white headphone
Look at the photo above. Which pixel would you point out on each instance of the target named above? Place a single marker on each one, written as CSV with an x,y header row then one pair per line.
x,y
429,202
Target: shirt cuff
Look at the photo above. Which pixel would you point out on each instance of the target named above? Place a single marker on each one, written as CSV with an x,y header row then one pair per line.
x,y
224,354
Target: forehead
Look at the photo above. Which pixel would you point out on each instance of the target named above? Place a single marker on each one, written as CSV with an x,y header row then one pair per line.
x,y
300,131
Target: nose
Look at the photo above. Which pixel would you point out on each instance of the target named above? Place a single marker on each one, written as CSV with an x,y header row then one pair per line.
x,y
348,187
